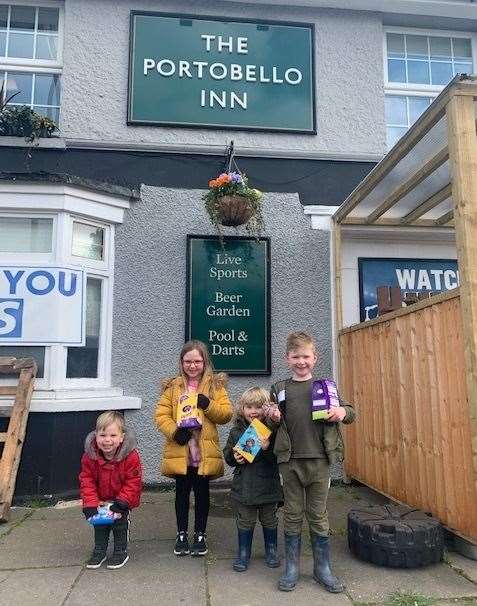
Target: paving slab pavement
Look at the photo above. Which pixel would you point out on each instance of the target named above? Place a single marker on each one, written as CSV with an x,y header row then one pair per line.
x,y
43,551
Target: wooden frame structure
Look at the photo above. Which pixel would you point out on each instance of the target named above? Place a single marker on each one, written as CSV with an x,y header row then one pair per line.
x,y
14,437
428,179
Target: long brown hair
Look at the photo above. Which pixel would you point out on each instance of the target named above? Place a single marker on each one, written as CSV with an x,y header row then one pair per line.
x,y
204,352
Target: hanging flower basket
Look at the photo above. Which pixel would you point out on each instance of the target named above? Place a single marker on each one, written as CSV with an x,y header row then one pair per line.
x,y
231,202
234,210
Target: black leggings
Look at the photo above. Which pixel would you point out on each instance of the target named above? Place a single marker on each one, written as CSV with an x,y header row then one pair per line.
x,y
200,485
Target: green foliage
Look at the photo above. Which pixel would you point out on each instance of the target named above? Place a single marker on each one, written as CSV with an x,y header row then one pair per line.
x,y
408,599
21,121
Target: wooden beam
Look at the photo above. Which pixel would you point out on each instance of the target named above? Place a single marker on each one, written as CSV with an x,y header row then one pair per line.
x,y
423,124
427,205
463,164
443,219
7,390
338,316
413,181
387,222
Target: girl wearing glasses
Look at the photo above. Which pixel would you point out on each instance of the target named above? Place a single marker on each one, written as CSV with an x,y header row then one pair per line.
x,y
193,457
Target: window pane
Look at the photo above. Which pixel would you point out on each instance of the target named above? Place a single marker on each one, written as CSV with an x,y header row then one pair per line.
x,y
48,19
396,111
440,48
395,46
441,73
88,241
462,48
20,46
18,235
22,17
47,89
417,105
82,362
46,47
38,353
393,134
463,68
3,44
50,112
396,70
418,72
3,15
21,83
417,47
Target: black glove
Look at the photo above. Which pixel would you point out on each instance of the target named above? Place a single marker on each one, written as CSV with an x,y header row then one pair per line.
x,y
119,507
182,435
89,512
202,401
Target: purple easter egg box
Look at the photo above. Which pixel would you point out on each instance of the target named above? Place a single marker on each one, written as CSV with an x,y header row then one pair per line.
x,y
324,395
187,412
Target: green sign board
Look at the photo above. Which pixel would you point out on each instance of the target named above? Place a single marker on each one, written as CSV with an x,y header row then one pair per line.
x,y
220,73
228,301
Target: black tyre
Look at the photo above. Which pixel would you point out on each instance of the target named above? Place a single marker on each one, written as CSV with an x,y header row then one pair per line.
x,y
395,535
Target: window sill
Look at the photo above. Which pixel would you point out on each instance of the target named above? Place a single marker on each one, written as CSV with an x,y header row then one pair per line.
x,y
78,400
45,142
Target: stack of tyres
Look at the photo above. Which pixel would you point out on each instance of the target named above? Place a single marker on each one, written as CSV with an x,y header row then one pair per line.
x,y
395,535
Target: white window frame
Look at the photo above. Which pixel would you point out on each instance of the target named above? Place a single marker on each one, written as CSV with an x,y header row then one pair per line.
x,y
66,204
34,66
403,89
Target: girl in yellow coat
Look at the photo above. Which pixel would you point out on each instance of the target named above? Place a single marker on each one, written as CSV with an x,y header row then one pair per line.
x,y
193,457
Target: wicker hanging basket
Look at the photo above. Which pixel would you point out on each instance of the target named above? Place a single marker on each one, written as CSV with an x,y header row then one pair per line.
x,y
234,210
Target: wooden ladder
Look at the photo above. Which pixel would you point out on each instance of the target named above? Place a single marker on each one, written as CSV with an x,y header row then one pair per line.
x,y
13,438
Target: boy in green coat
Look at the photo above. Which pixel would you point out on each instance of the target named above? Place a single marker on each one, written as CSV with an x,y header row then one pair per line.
x,y
305,449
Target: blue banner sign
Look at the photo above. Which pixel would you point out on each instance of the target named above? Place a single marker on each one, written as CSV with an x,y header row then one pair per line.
x,y
411,275
42,305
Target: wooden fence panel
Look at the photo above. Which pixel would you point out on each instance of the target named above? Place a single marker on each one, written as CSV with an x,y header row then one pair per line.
x,y
405,374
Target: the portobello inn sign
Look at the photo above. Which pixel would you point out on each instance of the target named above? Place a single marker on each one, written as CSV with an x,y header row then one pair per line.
x,y
189,71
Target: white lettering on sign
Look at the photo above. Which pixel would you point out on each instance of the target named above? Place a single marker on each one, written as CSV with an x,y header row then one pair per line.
x,y
235,72
423,279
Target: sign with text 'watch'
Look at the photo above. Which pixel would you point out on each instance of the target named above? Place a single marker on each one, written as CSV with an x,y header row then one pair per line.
x,y
228,301
42,305
221,73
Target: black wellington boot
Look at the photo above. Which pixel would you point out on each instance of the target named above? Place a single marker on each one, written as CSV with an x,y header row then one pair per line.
x,y
120,554
244,549
321,564
271,555
101,540
289,579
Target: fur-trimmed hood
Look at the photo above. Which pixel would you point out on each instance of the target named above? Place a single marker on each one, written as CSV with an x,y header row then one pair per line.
x,y
128,445
218,380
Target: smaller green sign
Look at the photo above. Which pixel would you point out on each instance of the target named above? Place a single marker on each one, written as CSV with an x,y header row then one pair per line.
x,y
221,73
228,301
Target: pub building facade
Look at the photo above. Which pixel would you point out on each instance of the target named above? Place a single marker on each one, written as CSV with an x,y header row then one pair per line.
x,y
108,260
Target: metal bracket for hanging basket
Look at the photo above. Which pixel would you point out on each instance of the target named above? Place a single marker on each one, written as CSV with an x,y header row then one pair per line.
x,y
234,210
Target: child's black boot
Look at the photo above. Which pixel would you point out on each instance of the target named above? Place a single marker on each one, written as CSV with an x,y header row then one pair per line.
x,y
101,540
120,554
289,579
199,544
321,564
244,549
271,554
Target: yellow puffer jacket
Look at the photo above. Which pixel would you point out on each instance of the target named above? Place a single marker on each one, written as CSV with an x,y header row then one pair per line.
x,y
219,411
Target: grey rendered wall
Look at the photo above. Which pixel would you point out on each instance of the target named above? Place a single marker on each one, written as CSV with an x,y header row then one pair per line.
x,y
349,70
149,297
